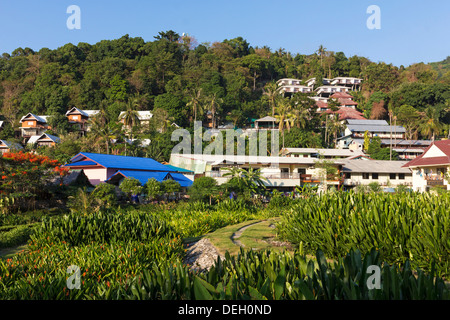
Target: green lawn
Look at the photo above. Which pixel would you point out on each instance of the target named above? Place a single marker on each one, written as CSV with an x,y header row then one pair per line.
x,y
258,235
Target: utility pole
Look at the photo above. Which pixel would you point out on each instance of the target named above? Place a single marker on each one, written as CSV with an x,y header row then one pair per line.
x,y
390,125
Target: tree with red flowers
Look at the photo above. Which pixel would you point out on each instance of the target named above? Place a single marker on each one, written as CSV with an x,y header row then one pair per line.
x,y
25,177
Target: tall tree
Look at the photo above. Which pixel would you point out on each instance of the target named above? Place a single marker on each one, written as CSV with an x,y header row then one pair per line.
x,y
272,92
196,101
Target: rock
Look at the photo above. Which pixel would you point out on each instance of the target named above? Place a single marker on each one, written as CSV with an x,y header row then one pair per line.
x,y
202,255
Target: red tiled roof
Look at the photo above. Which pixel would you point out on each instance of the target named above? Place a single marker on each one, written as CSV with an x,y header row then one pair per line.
x,y
348,113
341,95
443,145
321,104
347,102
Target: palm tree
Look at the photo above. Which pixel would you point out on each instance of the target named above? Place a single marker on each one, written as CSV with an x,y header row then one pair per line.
x,y
196,101
335,127
214,104
271,90
431,126
103,132
302,105
247,180
131,118
284,115
161,119
321,51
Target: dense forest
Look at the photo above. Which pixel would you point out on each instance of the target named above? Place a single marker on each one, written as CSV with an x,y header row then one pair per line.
x,y
180,80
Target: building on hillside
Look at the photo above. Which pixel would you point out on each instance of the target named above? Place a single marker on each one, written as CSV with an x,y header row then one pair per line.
x,y
45,139
345,113
281,173
266,123
379,128
33,125
327,91
385,173
312,82
143,116
8,146
353,83
320,153
406,149
292,86
432,167
101,168
80,118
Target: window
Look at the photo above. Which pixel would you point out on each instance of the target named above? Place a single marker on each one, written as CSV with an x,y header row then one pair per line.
x,y
392,176
401,176
75,117
30,123
348,175
365,175
375,176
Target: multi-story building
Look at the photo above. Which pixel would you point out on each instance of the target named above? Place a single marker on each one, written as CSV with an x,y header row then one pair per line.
x,y
80,118
33,125
286,172
327,91
281,173
320,153
353,83
380,128
431,169
292,86
385,173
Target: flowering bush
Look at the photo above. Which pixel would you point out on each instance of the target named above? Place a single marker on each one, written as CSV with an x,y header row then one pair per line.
x,y
24,176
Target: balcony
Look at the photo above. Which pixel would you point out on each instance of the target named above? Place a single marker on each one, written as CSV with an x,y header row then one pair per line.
x,y
434,180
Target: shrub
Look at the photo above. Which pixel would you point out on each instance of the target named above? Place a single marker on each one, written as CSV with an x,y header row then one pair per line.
x,y
203,189
105,193
16,236
153,188
170,186
131,186
374,186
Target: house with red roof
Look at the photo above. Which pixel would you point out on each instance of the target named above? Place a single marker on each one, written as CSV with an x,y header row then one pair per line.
x,y
431,168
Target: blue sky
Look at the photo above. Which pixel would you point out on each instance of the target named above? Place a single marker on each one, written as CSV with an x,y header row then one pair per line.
x,y
411,30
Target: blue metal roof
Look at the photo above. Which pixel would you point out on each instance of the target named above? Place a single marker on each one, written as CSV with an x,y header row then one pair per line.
x,y
122,162
81,163
181,179
142,176
177,169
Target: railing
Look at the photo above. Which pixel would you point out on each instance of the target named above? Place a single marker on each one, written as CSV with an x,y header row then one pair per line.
x,y
282,175
434,180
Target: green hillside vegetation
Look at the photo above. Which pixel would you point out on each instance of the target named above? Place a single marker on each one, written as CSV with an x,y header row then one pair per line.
x,y
182,80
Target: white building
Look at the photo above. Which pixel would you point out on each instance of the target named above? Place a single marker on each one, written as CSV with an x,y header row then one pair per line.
x,y
293,86
431,169
385,173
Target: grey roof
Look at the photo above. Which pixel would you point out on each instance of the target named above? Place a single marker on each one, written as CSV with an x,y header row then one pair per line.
x,y
268,118
13,145
368,122
325,152
377,166
376,128
42,119
401,142
86,113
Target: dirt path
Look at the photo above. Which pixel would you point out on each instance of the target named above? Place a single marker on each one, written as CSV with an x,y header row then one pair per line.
x,y
235,236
